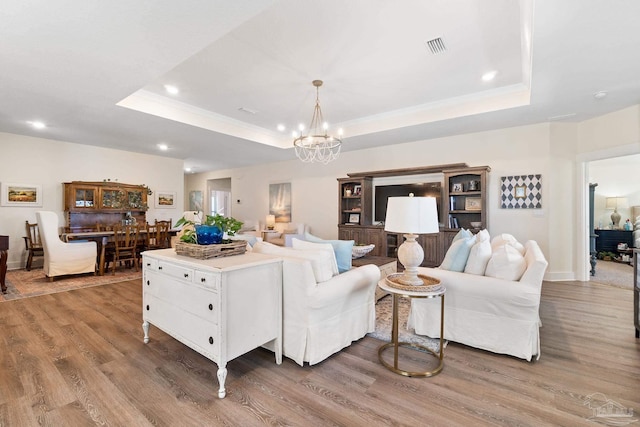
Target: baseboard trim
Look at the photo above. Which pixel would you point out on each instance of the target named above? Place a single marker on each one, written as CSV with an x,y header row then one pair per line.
x,y
560,276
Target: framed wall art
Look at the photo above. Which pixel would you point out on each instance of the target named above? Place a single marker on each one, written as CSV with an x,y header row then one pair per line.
x,y
354,218
195,200
165,199
27,195
521,192
280,201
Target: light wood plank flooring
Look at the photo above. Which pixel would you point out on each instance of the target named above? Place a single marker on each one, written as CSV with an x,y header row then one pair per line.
x,y
77,359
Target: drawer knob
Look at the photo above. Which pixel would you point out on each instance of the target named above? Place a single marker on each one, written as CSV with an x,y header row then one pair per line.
x,y
148,264
186,275
160,268
147,283
202,279
210,306
147,307
210,340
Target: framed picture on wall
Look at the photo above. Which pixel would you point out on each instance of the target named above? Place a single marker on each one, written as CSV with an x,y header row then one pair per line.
x,y
195,200
165,199
28,195
280,201
354,218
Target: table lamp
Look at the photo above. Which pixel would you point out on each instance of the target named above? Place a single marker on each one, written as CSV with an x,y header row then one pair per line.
x,y
271,222
615,203
411,216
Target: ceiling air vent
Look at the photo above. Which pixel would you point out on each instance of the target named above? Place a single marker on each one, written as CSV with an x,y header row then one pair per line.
x,y
436,46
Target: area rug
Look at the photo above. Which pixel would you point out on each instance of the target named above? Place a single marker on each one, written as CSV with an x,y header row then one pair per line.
x,y
384,317
614,273
25,284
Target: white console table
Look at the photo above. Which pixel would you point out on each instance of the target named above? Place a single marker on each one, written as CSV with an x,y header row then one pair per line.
x,y
221,307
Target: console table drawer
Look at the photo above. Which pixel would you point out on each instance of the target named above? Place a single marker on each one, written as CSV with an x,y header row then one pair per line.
x,y
196,300
176,271
206,279
189,329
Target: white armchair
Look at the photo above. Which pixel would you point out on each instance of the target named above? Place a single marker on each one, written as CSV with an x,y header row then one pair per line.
x,y
322,318
62,258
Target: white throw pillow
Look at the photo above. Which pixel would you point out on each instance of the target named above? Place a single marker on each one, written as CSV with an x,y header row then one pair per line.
x,y
479,257
506,239
506,263
303,245
456,257
321,262
483,235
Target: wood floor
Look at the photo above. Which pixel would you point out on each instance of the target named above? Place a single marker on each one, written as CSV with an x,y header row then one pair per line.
x,y
77,359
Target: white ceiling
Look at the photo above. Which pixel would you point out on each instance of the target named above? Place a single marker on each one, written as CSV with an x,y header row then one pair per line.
x,y
95,71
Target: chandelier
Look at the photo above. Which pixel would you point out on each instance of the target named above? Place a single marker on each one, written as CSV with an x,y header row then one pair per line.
x,y
317,145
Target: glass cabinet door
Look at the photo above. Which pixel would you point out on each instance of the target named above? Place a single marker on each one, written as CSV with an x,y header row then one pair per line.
x,y
113,198
84,198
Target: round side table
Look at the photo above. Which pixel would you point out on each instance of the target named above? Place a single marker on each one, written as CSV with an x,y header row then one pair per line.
x,y
396,343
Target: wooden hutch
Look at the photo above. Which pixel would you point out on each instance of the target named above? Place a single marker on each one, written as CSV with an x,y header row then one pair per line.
x,y
88,204
463,201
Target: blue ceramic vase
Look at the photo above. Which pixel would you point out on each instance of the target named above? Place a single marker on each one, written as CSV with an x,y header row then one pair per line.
x,y
208,234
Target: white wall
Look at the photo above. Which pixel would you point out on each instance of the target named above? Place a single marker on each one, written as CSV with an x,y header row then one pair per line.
x,y
513,151
49,163
558,151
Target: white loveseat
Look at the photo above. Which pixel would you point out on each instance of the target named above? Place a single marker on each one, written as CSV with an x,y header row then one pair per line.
x,y
489,313
323,312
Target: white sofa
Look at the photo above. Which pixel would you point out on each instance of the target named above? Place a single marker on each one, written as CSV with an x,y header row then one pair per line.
x,y
323,312
489,313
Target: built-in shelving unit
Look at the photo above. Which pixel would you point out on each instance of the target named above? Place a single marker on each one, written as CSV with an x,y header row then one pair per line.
x,y
461,200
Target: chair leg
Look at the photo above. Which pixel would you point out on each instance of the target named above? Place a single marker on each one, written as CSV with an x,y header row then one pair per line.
x,y
29,259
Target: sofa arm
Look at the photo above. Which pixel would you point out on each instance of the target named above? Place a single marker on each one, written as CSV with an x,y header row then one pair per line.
x,y
349,284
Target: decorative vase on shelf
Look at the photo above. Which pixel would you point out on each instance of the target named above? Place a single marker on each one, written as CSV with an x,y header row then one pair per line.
x,y
208,234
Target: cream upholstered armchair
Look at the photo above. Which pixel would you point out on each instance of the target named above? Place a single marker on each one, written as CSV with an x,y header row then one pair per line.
x,y
62,258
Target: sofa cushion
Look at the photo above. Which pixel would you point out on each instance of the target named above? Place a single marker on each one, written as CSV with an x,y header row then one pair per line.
x,y
341,248
321,262
479,257
456,257
506,263
462,234
506,239
303,245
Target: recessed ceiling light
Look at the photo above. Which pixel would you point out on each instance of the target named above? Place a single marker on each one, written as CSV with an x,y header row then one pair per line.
x,y
163,147
187,169
487,77
282,127
171,89
37,124
600,94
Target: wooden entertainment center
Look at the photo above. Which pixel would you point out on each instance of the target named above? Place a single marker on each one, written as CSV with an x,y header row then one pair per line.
x,y
463,201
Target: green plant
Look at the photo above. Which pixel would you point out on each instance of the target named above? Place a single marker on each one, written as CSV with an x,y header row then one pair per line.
x,y
229,226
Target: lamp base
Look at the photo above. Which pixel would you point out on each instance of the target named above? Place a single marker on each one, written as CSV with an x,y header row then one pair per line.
x,y
615,218
410,255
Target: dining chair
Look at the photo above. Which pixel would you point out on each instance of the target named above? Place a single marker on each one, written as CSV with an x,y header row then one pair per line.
x,y
62,258
125,246
33,243
160,239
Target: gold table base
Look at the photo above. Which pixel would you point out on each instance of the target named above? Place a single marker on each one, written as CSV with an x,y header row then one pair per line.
x,y
396,344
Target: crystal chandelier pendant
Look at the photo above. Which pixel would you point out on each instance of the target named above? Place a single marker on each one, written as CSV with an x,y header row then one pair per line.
x,y
317,146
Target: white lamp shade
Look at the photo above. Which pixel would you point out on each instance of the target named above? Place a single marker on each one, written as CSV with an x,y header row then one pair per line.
x,y
412,215
617,202
271,220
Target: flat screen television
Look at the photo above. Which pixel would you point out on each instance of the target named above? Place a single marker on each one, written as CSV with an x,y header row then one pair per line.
x,y
383,192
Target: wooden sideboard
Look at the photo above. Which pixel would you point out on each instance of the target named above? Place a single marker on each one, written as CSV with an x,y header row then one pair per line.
x,y
221,307
89,203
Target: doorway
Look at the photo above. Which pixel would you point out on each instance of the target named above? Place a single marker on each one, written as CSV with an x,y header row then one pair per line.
x,y
219,196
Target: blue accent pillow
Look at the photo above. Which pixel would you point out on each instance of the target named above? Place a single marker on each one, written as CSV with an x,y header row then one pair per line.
x,y
462,234
458,254
342,249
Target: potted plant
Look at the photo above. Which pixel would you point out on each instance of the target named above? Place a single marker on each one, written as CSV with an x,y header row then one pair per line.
x,y
211,231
